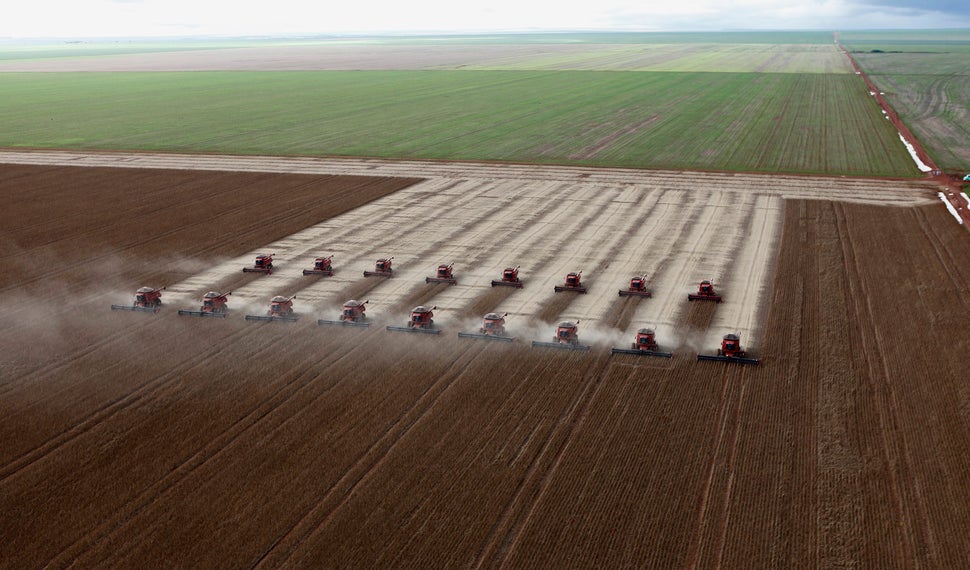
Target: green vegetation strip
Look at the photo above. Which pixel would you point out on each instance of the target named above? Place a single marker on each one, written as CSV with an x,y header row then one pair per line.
x,y
775,122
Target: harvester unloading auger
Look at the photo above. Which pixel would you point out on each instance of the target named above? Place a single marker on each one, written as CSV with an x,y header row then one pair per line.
x,y
352,315
443,275
567,338
572,283
421,321
382,268
510,278
263,264
147,300
213,305
637,288
645,344
280,310
321,266
493,328
730,351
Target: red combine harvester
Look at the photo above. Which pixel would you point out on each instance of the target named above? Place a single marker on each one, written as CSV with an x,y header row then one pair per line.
x,y
644,345
263,264
352,315
421,321
638,288
321,266
510,278
213,305
730,351
443,275
280,309
705,292
572,283
147,300
493,328
567,337
381,269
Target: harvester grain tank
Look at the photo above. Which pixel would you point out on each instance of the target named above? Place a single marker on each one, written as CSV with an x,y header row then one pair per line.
x,y
510,278
214,304
263,264
352,314
645,344
730,351
637,288
280,310
705,292
321,266
147,300
382,268
493,328
572,283
421,321
443,275
567,337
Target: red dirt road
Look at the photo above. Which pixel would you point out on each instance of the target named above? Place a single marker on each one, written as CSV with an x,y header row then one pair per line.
x,y
167,441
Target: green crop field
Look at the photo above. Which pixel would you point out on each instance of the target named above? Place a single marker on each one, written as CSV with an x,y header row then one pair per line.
x,y
926,78
774,122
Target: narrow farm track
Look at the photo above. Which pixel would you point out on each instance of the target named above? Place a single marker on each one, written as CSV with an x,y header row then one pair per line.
x,y
291,444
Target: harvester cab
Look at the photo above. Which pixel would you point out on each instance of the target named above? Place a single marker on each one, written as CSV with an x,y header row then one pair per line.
x,y
263,264
567,337
147,300
443,275
645,344
705,292
382,268
352,314
730,351
321,266
510,278
638,288
421,320
280,309
572,283
493,328
213,305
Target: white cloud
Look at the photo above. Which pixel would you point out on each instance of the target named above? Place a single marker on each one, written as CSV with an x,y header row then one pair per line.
x,y
93,18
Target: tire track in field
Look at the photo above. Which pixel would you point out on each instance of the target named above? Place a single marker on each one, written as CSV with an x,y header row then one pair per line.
x,y
504,536
302,376
109,409
341,491
895,448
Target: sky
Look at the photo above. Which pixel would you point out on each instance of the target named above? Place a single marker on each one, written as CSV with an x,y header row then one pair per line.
x,y
177,18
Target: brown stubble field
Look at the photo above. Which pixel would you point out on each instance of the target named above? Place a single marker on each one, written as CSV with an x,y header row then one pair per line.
x,y
129,439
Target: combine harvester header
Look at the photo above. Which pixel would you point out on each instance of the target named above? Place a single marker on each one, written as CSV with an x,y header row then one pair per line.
x,y
638,288
382,268
147,300
493,328
705,292
421,321
214,304
352,315
510,278
730,351
280,310
567,338
645,344
263,264
321,266
443,275
572,283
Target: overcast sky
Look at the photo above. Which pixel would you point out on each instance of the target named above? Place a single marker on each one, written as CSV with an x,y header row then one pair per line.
x,y
127,18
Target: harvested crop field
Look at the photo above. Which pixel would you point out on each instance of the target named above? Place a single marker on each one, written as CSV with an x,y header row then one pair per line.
x,y
132,439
